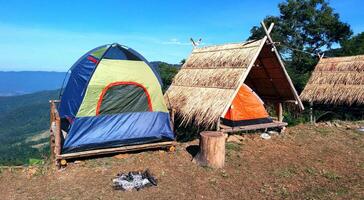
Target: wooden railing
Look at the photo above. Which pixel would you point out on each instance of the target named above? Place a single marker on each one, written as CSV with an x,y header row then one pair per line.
x,y
55,131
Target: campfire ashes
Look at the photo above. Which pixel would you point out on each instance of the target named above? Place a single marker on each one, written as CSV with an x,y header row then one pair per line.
x,y
133,180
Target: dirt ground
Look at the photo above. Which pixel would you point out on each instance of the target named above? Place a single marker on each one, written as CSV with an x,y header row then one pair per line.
x,y
307,162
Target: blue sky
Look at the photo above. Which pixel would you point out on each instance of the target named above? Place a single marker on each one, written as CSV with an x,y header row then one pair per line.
x,y
52,35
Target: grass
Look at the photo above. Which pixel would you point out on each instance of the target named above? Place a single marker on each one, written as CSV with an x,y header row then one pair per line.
x,y
224,174
323,131
283,191
330,175
311,171
286,172
232,146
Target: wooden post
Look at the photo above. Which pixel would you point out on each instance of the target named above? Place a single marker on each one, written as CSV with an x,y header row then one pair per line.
x,y
212,149
55,131
172,118
58,137
279,111
311,112
52,140
51,129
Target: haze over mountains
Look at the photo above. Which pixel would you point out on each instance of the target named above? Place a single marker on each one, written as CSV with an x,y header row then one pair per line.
x,y
26,82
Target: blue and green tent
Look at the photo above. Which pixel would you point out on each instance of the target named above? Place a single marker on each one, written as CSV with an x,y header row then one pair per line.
x,y
113,97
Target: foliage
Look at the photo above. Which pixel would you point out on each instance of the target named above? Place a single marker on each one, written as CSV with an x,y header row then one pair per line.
x,y
167,72
304,25
23,117
349,47
34,161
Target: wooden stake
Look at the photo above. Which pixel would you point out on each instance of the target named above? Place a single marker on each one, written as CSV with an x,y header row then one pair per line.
x,y
212,149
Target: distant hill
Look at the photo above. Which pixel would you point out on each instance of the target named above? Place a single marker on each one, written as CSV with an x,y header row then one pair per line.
x,y
22,119
25,82
156,64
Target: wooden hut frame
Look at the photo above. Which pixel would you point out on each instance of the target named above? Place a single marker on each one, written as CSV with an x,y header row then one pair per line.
x,y
208,82
56,141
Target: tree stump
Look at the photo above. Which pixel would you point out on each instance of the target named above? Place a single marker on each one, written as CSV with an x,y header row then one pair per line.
x,y
212,149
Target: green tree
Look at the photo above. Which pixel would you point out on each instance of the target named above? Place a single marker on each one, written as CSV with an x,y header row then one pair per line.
x,y
304,26
167,72
349,47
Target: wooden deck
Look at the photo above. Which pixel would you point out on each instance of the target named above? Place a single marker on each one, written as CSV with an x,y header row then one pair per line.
x,y
273,124
116,150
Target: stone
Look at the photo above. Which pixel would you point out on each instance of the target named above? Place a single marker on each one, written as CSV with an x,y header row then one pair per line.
x,y
273,133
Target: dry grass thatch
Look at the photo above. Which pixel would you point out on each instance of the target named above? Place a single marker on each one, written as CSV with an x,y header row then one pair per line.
x,y
203,87
338,80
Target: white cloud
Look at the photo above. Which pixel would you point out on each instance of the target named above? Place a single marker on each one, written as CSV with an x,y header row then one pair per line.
x,y
175,41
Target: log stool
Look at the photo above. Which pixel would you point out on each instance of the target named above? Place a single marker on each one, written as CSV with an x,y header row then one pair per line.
x,y
212,149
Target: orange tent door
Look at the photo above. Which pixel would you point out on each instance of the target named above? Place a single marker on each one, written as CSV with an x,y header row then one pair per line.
x,y
246,109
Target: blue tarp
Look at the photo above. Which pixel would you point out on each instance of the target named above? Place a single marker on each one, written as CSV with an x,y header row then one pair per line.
x,y
105,131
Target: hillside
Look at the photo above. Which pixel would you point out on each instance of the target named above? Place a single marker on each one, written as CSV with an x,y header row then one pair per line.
x,y
289,166
23,117
25,82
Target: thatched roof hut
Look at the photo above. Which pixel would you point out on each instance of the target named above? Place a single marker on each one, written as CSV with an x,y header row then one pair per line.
x,y
337,81
204,88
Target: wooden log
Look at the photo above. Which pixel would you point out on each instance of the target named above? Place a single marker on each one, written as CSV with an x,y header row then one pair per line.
x,y
116,150
228,129
212,149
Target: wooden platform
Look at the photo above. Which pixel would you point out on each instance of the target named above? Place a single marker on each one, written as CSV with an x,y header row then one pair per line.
x,y
273,124
115,150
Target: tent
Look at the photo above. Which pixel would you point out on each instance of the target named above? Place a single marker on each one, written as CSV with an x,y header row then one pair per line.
x,y
224,86
246,109
113,98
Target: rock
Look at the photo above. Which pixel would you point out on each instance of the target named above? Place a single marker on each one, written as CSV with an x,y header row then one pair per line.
x,y
329,124
273,133
265,136
348,127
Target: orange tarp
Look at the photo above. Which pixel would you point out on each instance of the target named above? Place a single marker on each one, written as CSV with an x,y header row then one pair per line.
x,y
246,105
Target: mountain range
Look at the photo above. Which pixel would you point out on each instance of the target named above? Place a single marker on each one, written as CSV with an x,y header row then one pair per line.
x,y
25,82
